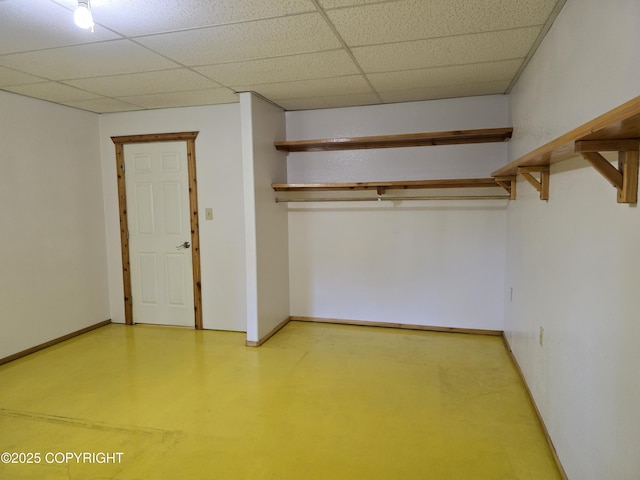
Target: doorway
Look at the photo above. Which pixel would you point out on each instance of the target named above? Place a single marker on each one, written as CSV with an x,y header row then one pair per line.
x,y
151,173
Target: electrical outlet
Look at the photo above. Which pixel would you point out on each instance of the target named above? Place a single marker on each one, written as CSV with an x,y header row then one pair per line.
x,y
541,337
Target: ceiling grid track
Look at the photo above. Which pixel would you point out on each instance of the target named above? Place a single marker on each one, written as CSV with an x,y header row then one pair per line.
x,y
346,48
298,54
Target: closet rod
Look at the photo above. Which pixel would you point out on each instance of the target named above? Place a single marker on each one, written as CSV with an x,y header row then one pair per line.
x,y
393,199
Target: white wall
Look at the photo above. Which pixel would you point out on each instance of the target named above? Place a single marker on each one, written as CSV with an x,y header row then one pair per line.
x,y
587,64
266,222
219,174
438,263
53,272
573,261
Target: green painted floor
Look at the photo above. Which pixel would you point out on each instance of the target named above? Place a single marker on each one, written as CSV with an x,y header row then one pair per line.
x,y
315,402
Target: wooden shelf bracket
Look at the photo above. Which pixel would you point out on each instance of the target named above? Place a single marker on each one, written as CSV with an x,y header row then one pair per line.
x,y
509,184
625,177
541,185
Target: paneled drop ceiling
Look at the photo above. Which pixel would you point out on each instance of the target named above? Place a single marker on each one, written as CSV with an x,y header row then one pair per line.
x,y
300,54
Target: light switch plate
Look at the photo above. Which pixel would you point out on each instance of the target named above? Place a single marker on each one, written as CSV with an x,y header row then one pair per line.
x,y
208,212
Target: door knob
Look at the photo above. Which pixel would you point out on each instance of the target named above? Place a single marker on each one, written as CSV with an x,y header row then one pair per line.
x,y
183,245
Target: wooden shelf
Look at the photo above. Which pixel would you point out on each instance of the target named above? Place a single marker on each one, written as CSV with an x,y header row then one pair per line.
x,y
616,131
621,123
454,137
393,141
380,187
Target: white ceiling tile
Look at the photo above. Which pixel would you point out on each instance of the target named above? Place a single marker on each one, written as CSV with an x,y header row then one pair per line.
x,y
353,84
420,19
144,17
178,99
92,60
445,76
246,41
13,77
313,103
145,83
353,100
103,105
346,3
52,91
419,94
282,69
464,49
36,25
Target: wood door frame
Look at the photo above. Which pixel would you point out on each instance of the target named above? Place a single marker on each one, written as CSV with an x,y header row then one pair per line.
x,y
190,139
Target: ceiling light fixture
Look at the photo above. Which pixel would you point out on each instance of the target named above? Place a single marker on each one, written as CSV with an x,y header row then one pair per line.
x,y
82,15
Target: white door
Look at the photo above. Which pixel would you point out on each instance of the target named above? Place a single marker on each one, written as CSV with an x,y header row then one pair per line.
x,y
157,184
